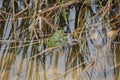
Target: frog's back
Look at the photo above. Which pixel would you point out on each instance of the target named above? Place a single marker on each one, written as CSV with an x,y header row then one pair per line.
x,y
57,35
56,38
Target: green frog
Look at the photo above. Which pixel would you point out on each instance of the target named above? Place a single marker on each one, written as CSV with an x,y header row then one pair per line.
x,y
56,38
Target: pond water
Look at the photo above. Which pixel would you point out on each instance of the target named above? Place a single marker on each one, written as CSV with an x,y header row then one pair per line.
x,y
85,54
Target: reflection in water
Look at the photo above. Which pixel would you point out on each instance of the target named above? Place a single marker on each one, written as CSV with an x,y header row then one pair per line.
x,y
1,1
86,55
59,64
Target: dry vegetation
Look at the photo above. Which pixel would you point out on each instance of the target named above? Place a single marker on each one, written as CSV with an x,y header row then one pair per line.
x,y
26,26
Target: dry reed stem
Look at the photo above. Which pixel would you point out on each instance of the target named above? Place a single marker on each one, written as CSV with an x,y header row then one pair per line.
x,y
20,12
88,65
64,5
51,48
48,49
85,69
21,46
5,12
43,11
14,25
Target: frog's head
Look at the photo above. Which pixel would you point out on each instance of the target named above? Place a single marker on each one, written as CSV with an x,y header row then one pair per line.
x,y
61,33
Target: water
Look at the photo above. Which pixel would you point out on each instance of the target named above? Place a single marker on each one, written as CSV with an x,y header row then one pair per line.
x,y
1,3
84,58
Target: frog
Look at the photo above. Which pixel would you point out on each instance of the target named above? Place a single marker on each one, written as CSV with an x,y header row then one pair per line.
x,y
56,39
